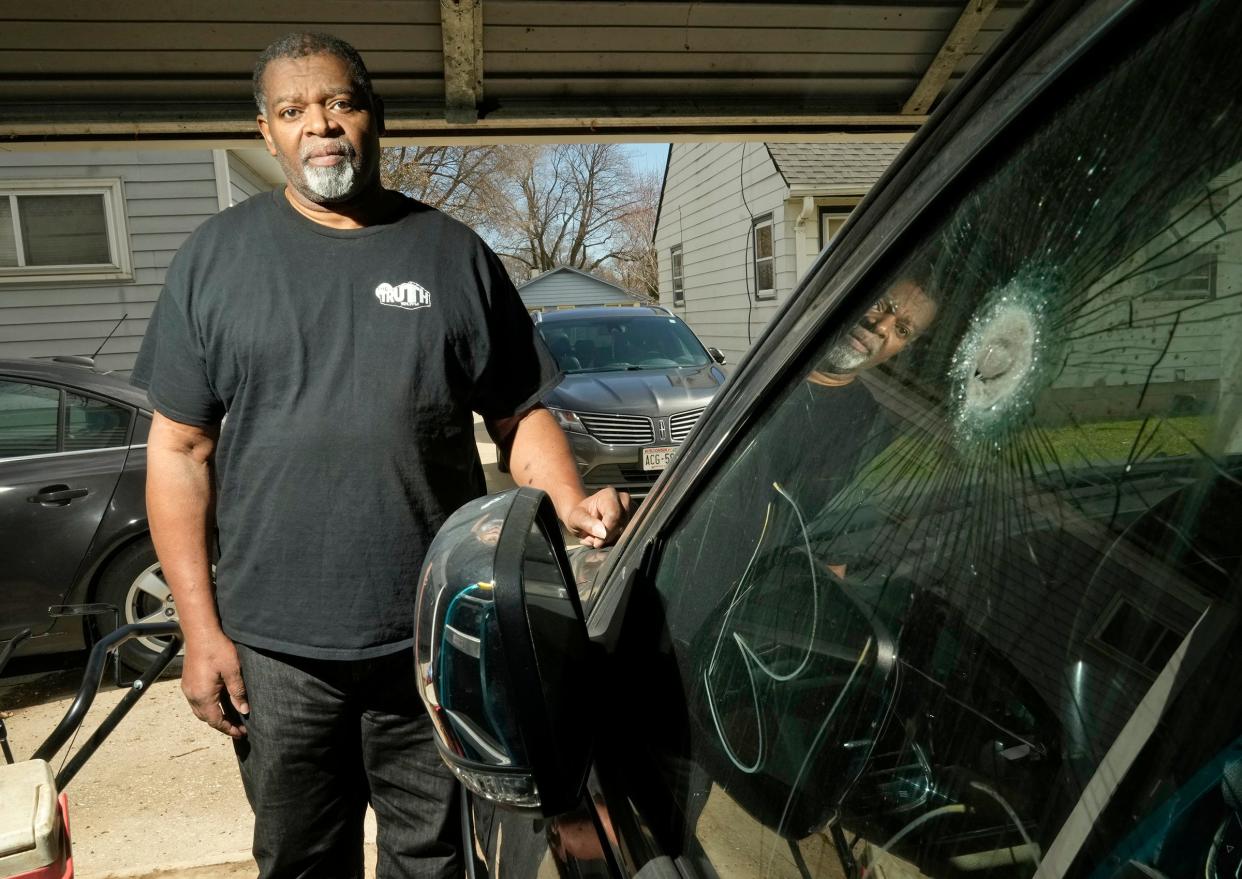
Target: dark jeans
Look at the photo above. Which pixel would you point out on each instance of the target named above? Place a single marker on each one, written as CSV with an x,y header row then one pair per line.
x,y
326,737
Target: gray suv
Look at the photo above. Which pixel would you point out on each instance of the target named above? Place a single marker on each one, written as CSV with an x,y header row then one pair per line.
x,y
636,381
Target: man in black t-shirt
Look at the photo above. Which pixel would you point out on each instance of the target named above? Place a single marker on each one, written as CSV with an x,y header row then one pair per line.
x,y
348,333
815,408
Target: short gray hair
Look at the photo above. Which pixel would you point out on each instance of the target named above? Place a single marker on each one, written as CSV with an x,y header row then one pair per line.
x,y
301,45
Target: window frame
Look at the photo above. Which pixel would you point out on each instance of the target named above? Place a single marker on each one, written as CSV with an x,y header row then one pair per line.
x,y
1152,615
1207,262
677,274
831,212
762,293
111,190
62,418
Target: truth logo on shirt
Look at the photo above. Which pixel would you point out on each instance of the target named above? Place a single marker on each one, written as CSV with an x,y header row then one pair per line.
x,y
408,295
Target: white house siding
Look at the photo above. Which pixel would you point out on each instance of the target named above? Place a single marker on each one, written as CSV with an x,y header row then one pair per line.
x,y
703,211
243,180
168,193
557,288
1157,354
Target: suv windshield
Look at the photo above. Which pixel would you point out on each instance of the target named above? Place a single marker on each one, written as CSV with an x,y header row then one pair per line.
x,y
603,344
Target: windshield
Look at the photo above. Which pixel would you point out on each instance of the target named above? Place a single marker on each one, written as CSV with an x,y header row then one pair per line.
x,y
608,342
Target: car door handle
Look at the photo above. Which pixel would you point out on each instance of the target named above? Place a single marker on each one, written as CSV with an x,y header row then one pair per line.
x,y
57,494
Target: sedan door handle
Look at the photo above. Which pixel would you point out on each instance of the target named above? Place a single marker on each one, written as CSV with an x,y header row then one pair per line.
x,y
57,494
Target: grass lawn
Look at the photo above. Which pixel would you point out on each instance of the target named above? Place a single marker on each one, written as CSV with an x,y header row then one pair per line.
x,y
911,458
1116,440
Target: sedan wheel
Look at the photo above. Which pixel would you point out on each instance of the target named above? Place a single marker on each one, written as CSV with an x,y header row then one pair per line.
x,y
134,583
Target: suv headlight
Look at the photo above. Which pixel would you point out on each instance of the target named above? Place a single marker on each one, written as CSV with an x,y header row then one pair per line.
x,y
568,421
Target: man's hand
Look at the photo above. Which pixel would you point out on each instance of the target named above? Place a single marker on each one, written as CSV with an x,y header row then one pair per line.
x,y
599,519
539,455
211,679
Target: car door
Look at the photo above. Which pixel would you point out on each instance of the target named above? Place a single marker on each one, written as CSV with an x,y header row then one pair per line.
x,y
973,611
61,453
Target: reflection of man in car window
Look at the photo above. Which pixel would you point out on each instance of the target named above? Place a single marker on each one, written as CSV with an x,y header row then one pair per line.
x,y
826,427
754,639
752,646
832,419
895,320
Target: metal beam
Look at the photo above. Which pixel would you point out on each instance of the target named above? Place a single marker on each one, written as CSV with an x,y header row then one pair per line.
x,y
405,131
461,29
955,47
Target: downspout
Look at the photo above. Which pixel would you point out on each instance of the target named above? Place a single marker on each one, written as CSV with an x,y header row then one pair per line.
x,y
224,189
802,259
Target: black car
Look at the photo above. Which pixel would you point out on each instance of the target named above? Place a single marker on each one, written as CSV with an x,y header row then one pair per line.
x,y
73,521
636,381
974,613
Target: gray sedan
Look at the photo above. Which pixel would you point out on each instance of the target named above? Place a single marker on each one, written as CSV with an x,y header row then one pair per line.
x,y
73,522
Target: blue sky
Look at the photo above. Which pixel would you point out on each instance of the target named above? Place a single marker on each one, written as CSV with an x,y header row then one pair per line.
x,y
648,156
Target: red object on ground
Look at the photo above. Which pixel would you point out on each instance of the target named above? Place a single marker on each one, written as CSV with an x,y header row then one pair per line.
x,y
51,840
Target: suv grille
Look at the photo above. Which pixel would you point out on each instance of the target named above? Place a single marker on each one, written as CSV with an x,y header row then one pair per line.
x,y
679,425
618,429
619,474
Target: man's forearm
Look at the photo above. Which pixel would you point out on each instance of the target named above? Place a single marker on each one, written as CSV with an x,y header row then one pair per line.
x,y
180,496
539,455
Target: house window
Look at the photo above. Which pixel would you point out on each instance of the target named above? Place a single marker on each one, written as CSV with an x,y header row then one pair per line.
x,y
1191,277
1135,637
765,264
63,230
830,222
679,286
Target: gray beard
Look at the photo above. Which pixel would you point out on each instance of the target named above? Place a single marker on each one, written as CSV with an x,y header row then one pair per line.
x,y
334,183
842,358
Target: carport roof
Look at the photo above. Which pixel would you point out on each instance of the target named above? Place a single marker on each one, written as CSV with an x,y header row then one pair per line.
x,y
493,69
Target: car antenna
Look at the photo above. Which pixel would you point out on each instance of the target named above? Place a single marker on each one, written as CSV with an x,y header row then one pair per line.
x,y
109,336
89,362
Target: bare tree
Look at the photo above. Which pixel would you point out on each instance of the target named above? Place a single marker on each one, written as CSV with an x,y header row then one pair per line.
x,y
468,182
576,205
637,269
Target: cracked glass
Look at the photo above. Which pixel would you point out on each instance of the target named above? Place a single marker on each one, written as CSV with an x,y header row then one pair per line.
x,y
964,600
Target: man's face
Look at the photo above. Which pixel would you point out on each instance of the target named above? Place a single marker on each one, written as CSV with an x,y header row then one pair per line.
x,y
322,131
892,323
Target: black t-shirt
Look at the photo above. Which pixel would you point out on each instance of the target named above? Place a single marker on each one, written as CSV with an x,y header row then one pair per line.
x,y
775,497
828,433
348,363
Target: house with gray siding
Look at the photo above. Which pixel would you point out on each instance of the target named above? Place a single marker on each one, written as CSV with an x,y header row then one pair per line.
x,y
739,224
86,237
1159,328
565,287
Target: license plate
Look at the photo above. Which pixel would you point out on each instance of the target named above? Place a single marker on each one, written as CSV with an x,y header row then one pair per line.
x,y
658,457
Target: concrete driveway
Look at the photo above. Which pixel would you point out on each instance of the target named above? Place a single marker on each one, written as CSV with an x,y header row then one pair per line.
x,y
162,796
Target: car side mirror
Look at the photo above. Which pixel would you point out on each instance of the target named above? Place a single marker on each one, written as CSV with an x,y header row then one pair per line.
x,y
502,655
716,354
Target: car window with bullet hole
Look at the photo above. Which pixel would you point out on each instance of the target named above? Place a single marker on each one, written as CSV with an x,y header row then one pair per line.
x,y
964,599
